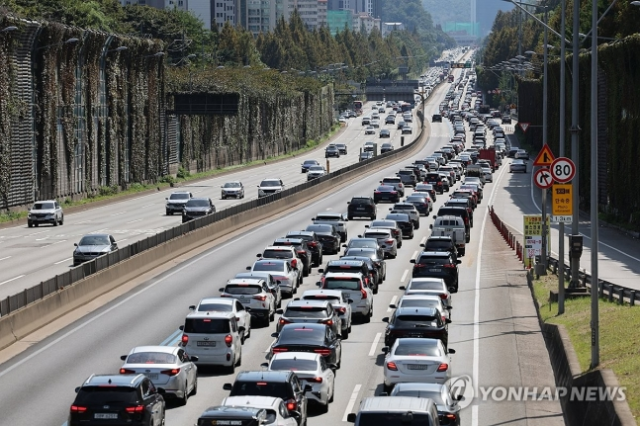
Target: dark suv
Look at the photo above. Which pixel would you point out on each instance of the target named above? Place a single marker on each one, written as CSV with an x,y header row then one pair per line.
x,y
313,242
437,264
361,207
414,322
197,207
302,249
328,235
117,399
279,384
436,118
436,180
441,243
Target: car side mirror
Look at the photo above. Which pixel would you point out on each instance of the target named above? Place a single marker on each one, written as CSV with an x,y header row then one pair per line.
x,y
422,245
350,301
447,321
366,226
393,306
452,351
181,328
308,388
248,268
193,358
430,227
77,389
279,311
264,365
227,386
351,417
384,394
333,367
458,262
297,298
75,244
259,255
385,319
435,217
402,288
348,202
275,335
123,357
320,271
193,307
385,349
449,308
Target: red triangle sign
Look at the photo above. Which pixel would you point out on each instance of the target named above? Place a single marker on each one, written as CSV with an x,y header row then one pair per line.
x,y
524,126
545,157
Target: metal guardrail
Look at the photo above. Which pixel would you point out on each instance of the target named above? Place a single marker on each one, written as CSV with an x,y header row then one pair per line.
x,y
59,282
613,292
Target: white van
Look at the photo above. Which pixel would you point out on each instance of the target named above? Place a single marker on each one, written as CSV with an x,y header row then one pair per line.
x,y
450,226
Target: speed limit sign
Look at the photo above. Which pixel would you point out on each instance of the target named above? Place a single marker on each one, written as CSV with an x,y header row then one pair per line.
x,y
563,169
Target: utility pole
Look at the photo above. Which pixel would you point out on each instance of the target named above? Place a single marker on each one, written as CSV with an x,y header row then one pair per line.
x,y
545,225
595,329
575,139
563,103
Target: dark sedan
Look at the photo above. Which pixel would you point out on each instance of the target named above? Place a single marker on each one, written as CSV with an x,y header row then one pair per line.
x,y
386,147
372,254
313,242
416,322
386,193
308,163
332,151
328,236
92,246
315,338
365,155
197,207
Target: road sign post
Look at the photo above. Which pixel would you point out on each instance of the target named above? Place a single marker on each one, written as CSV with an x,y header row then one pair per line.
x,y
544,158
533,238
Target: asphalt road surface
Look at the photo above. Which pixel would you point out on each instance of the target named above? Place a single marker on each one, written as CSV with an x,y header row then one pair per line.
x,y
494,329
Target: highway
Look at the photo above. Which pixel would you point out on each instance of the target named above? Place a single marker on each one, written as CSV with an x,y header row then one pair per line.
x,y
31,255
494,330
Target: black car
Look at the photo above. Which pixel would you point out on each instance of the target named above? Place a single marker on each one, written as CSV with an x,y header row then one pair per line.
x,y
302,249
506,119
437,264
464,203
342,148
122,399
408,177
328,235
278,384
365,155
377,260
374,278
416,323
386,147
385,133
197,207
435,179
308,163
309,337
436,118
386,193
332,151
421,203
460,212
404,223
359,266
313,242
441,243
362,207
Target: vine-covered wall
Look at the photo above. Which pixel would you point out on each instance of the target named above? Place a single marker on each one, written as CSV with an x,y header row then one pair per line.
x,y
618,128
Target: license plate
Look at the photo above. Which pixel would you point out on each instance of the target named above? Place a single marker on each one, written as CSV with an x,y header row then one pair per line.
x,y
359,208
417,367
152,376
448,229
206,343
105,416
435,270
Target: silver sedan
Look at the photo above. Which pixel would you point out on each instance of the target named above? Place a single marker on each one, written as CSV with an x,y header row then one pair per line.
x,y
385,239
168,367
518,166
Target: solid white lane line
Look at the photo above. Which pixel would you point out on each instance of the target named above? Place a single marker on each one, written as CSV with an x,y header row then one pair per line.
x,y
404,275
352,402
62,261
4,258
40,239
415,254
423,240
374,345
12,279
269,347
134,221
36,233
394,299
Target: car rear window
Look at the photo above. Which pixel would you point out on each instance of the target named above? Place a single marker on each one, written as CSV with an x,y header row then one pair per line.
x,y
376,235
426,349
405,172
179,197
438,244
207,325
151,358
306,312
426,285
320,228
301,335
433,261
426,320
342,284
215,307
243,289
262,388
294,365
420,303
360,201
268,267
277,254
110,395
393,419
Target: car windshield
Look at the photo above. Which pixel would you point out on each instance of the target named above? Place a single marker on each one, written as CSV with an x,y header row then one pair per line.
x,y
277,254
43,206
270,183
326,229
306,312
232,185
310,162
197,203
215,307
415,321
179,196
268,267
424,349
342,284
94,240
393,419
294,364
206,325
151,358
243,289
316,168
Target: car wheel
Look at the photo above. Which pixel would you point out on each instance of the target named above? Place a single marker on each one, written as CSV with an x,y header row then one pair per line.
x,y
194,391
345,334
62,220
185,398
333,390
29,224
387,388
272,316
55,222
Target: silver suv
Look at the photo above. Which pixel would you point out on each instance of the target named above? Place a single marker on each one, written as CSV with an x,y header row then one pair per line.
x,y
176,202
269,187
255,296
45,212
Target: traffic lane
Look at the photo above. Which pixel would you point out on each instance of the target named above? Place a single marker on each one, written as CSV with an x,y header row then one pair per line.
x,y
619,256
136,219
162,303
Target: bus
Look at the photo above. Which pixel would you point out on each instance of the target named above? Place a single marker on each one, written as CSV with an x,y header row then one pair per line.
x,y
451,78
357,106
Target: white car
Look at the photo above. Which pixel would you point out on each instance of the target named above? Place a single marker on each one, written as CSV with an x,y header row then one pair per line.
x,y
287,253
488,176
45,212
424,301
340,302
361,294
269,187
227,304
385,239
416,360
316,172
277,413
281,270
312,370
254,295
168,367
426,285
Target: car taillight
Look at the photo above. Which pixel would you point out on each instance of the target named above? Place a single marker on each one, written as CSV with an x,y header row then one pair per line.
x,y
185,339
449,265
466,220
451,417
443,296
389,241
292,405
443,367
294,263
261,298
419,265
364,293
341,310
78,409
392,366
172,372
283,321
279,350
312,244
136,409
228,339
125,371
377,192
323,351
314,379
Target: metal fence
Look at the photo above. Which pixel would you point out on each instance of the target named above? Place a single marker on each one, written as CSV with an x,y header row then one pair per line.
x,y
59,282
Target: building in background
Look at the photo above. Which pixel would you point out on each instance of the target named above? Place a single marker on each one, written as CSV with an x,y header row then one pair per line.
x,y
338,20
312,12
366,23
464,33
388,27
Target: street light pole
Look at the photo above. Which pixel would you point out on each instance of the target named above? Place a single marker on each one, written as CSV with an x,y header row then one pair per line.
x,y
575,138
561,153
543,271
595,338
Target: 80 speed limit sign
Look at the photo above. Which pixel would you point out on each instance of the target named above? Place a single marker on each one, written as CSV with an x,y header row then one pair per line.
x,y
563,169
